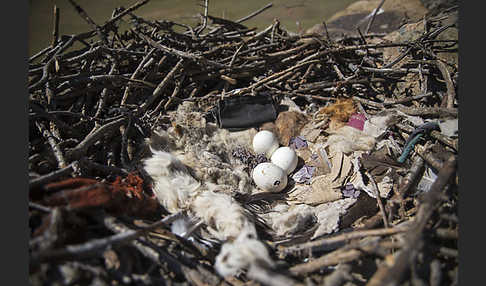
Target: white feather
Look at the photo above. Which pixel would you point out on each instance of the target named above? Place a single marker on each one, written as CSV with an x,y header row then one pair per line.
x,y
225,218
241,254
173,185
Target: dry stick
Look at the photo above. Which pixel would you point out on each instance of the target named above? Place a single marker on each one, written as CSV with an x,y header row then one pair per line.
x,y
411,178
394,71
368,102
93,247
322,85
353,48
135,74
407,99
435,273
451,93
397,59
55,147
174,94
373,17
261,34
47,66
42,180
104,93
274,76
236,53
91,53
39,54
124,144
205,18
126,11
108,170
307,73
55,32
428,157
269,277
39,207
181,54
378,200
429,111
242,19
289,51
156,254
161,87
343,255
453,143
391,275
328,241
95,135
90,21
254,13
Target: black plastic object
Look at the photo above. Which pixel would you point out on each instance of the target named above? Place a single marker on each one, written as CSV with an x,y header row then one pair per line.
x,y
242,112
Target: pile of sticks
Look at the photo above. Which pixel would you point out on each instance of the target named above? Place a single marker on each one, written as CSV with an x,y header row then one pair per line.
x,y
94,97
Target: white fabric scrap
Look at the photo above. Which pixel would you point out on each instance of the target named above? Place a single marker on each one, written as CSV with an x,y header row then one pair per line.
x,y
348,139
328,215
449,127
427,180
384,187
289,220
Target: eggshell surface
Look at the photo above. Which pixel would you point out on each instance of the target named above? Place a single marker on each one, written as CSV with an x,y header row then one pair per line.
x,y
265,142
269,177
285,158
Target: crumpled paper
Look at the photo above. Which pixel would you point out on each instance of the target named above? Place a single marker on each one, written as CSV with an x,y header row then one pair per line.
x,y
304,175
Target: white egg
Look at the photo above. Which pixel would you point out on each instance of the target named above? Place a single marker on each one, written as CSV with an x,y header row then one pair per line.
x,y
285,158
269,177
265,142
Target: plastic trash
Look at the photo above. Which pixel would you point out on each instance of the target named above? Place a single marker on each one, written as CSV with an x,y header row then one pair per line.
x,y
241,112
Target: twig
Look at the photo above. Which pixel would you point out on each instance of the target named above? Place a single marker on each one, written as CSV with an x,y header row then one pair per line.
x,y
95,246
135,74
269,277
90,21
378,200
95,135
274,76
39,207
407,99
108,170
48,65
429,111
205,18
34,183
104,94
254,13
55,31
451,93
373,17
124,12
391,275
181,54
343,255
328,242
55,147
161,87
